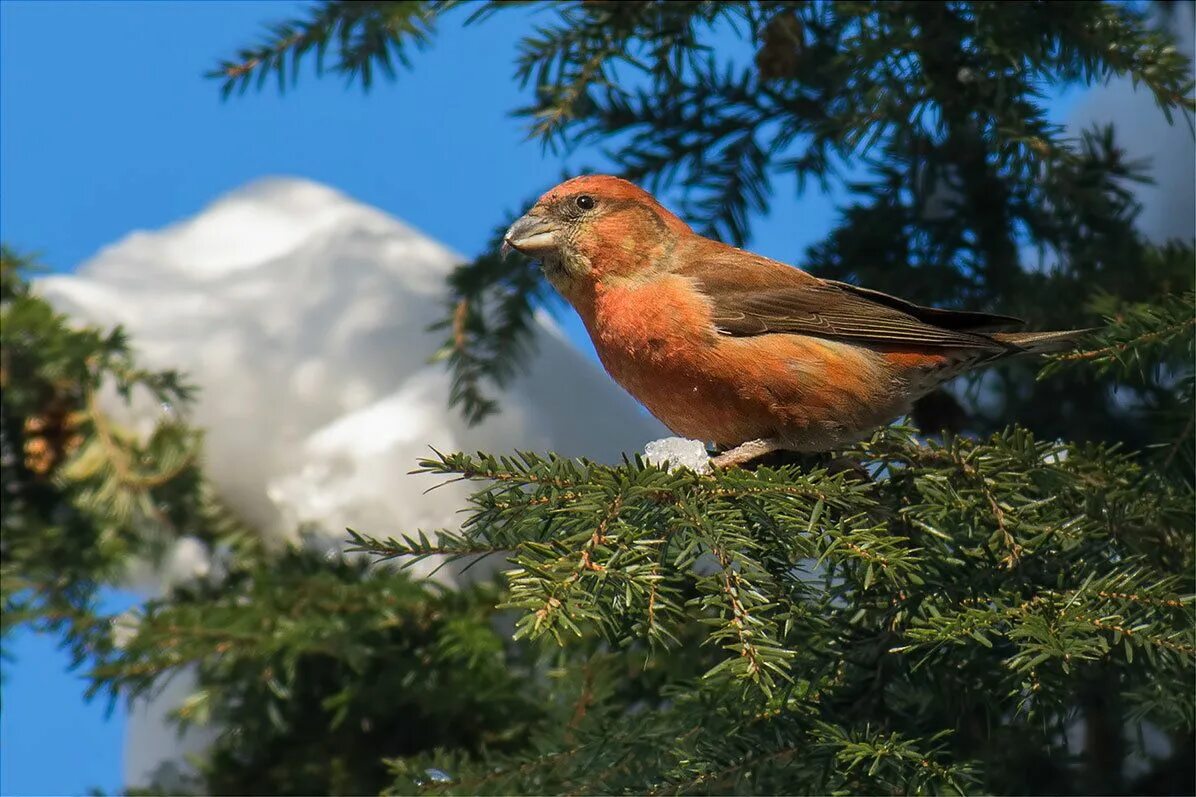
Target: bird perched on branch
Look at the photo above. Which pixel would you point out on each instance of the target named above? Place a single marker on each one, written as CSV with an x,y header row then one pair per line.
x,y
727,346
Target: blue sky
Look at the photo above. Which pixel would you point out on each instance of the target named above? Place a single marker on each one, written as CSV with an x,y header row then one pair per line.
x,y
108,126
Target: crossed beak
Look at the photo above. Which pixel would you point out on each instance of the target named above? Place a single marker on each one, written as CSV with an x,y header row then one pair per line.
x,y
533,235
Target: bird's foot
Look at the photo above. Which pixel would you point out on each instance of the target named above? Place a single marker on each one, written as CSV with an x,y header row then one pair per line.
x,y
746,452
774,453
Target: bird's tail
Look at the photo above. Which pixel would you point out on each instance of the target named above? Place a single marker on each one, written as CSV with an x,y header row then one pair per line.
x,y
1042,342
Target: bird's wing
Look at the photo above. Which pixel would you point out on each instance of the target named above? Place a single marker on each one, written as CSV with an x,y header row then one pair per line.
x,y
948,319
754,296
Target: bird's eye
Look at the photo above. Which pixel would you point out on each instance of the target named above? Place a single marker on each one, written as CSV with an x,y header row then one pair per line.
x,y
585,202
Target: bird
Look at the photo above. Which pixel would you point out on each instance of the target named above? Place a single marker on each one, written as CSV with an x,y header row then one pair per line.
x,y
745,352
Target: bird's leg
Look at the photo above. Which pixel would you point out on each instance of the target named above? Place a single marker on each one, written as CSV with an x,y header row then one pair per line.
x,y
746,452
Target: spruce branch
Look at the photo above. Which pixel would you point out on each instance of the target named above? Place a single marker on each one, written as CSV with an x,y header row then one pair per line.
x,y
588,543
367,36
490,325
1138,337
82,496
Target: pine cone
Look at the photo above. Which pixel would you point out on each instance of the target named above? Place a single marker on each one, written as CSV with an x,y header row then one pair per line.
x,y
39,455
781,47
52,436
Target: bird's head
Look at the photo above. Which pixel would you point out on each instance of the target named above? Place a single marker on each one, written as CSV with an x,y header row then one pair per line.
x,y
593,228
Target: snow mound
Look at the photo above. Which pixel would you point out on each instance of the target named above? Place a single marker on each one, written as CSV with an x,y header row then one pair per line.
x,y
302,316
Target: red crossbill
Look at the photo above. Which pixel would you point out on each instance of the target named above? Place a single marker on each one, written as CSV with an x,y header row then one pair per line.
x,y
726,346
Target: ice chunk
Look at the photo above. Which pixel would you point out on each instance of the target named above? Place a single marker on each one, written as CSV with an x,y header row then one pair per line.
x,y
679,453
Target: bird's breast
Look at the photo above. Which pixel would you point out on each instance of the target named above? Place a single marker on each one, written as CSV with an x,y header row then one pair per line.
x,y
656,339
659,322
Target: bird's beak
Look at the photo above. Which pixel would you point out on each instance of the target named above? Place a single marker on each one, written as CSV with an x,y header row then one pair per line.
x,y
532,235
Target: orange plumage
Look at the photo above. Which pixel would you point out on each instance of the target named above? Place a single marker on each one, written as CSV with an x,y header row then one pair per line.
x,y
726,346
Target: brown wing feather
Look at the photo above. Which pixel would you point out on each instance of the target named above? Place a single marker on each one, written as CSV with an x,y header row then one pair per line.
x,y
948,319
752,295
